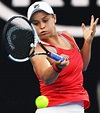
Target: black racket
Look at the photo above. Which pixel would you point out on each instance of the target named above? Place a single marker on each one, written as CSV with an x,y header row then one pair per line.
x,y
19,37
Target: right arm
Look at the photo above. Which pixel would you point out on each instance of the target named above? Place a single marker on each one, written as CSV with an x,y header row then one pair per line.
x,y
42,65
44,69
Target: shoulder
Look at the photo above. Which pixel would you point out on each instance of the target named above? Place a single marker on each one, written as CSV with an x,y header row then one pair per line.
x,y
71,36
68,34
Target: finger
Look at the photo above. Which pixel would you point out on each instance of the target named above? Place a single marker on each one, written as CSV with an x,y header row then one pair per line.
x,y
83,26
96,21
94,24
92,20
66,57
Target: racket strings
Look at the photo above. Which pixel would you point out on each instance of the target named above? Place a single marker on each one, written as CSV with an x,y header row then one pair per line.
x,y
20,38
18,43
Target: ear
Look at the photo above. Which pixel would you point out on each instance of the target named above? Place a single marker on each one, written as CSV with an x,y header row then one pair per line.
x,y
55,18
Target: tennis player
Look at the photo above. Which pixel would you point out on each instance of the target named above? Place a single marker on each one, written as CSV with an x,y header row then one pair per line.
x,y
61,81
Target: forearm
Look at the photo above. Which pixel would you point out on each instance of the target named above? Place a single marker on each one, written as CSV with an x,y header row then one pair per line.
x,y
49,75
86,54
88,38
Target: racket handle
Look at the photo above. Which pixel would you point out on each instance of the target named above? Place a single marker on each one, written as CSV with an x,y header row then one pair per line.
x,y
56,57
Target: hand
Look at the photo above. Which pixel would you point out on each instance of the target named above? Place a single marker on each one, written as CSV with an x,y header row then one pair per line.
x,y
89,33
63,64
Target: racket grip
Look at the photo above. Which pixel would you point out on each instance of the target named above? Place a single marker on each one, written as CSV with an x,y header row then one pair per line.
x,y
56,57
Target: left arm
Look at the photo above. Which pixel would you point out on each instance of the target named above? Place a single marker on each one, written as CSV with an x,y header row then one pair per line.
x,y
88,38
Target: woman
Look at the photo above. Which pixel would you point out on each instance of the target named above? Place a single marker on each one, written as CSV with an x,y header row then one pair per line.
x,y
61,81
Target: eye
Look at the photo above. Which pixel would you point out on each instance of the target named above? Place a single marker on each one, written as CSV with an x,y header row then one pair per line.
x,y
46,20
35,23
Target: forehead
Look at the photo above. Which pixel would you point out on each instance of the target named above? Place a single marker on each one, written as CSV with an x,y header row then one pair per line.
x,y
39,14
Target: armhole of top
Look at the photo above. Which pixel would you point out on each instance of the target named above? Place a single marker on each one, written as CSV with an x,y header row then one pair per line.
x,y
70,39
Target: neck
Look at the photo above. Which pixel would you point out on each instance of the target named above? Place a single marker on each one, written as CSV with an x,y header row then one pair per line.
x,y
54,39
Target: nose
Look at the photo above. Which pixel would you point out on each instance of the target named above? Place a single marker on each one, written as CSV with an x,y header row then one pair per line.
x,y
42,25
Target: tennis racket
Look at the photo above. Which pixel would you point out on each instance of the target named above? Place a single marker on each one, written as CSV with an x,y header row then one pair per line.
x,y
19,37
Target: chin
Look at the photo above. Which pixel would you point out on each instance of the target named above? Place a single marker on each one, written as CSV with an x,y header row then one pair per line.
x,y
44,37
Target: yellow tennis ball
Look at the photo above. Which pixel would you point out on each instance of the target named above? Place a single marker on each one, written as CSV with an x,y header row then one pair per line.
x,y
41,101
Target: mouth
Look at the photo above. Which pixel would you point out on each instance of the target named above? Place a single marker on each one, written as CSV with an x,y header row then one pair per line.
x,y
43,32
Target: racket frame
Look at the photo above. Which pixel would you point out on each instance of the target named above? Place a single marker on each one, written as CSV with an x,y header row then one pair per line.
x,y
36,40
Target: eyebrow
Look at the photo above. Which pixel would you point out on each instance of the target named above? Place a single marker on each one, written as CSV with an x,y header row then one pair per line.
x,y
41,18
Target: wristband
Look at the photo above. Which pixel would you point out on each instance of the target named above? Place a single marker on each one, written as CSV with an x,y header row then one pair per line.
x,y
57,69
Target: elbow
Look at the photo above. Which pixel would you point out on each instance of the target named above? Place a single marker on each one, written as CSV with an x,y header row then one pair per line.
x,y
47,82
49,79
85,68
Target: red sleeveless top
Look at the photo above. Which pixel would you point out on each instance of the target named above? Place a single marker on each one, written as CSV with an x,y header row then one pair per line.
x,y
68,87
